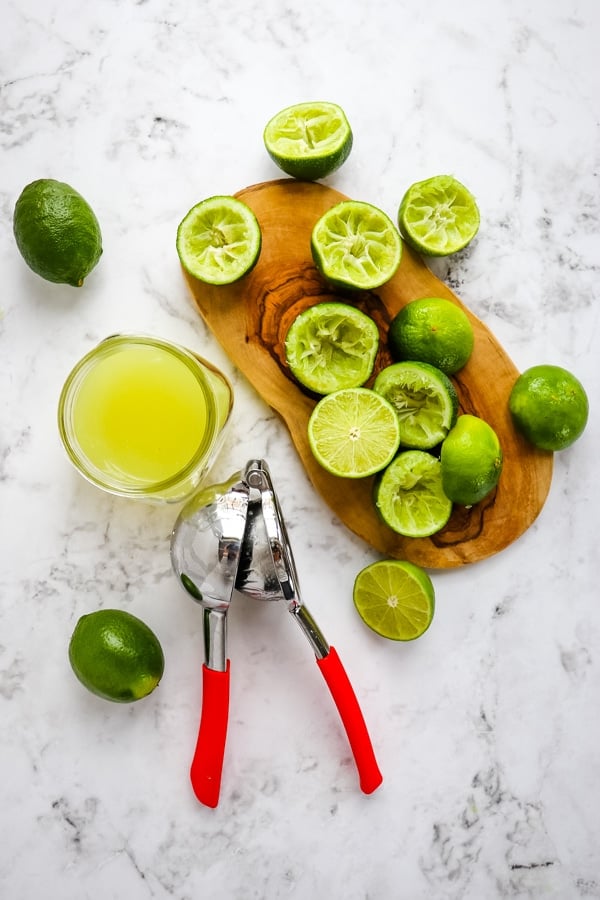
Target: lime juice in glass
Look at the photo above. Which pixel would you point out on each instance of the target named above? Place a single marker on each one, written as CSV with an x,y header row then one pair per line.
x,y
142,417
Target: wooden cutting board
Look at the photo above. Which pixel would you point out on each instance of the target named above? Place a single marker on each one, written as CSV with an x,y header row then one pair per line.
x,y
250,320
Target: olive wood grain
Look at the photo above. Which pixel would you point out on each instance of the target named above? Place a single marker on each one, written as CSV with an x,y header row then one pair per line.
x,y
250,320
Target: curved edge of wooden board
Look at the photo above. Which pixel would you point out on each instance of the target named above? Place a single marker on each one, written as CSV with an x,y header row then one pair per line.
x,y
250,319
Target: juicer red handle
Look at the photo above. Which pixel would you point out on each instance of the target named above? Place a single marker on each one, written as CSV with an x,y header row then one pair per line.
x,y
207,764
345,699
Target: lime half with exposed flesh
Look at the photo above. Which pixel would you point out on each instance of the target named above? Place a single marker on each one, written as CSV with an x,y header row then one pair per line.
x,y
395,599
356,245
425,401
219,240
438,216
409,495
353,433
309,140
331,346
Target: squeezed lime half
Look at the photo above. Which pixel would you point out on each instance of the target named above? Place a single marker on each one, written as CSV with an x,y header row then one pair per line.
x,y
425,401
309,140
438,216
219,240
356,245
331,346
410,497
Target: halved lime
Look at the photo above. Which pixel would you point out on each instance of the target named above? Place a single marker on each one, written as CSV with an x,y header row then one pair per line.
x,y
410,497
425,401
219,240
353,433
395,599
356,245
438,216
331,346
471,460
309,140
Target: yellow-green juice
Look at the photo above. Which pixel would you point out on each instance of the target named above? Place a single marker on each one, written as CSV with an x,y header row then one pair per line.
x,y
142,417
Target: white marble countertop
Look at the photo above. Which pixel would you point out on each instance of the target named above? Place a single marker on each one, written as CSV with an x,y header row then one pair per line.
x,y
485,729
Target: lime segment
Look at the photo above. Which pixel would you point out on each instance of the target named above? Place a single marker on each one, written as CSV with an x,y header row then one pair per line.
x,y
410,497
309,140
424,399
356,245
353,433
331,346
438,216
395,599
219,240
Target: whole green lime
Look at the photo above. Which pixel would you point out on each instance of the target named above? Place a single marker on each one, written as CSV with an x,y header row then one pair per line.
x,y
549,406
433,330
471,461
57,232
116,655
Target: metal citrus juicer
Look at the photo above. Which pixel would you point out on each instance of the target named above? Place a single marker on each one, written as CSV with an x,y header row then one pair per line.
x,y
232,536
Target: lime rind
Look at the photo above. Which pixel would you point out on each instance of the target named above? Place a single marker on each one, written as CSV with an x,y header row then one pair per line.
x,y
438,216
425,401
331,346
219,240
395,598
353,433
356,245
409,495
309,140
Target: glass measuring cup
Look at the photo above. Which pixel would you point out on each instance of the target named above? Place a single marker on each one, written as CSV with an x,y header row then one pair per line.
x,y
141,417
